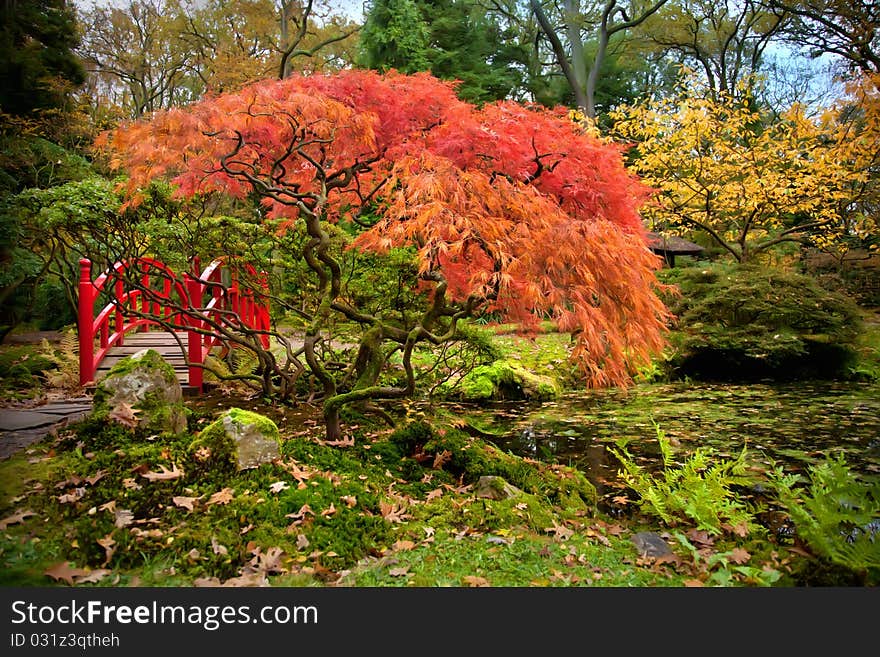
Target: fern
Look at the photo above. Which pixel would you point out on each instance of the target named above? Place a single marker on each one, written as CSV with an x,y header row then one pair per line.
x,y
699,491
65,357
836,513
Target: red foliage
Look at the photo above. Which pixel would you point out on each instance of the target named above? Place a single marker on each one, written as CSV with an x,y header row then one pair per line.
x,y
514,205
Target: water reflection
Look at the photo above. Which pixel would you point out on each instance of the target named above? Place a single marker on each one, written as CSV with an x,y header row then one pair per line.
x,y
796,425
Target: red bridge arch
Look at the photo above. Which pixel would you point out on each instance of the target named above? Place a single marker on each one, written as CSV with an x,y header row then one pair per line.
x,y
157,299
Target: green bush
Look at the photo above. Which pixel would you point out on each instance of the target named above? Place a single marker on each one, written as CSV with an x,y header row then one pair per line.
x,y
748,322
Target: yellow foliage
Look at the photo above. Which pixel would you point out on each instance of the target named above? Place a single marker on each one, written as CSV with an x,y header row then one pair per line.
x,y
723,168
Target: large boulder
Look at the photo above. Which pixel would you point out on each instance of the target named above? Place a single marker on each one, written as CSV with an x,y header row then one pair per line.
x,y
503,379
238,438
143,391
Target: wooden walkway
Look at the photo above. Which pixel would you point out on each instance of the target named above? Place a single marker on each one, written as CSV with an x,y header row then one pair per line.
x,y
162,341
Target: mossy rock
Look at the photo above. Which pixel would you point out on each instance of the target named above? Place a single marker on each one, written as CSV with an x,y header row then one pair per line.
x,y
147,384
504,379
237,440
471,459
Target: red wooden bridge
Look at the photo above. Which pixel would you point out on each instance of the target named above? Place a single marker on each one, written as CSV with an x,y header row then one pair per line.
x,y
145,294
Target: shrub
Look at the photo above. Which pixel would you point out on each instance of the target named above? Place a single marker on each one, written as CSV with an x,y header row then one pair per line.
x,y
747,322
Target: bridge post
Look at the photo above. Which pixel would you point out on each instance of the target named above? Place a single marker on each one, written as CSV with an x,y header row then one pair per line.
x,y
195,290
263,319
85,322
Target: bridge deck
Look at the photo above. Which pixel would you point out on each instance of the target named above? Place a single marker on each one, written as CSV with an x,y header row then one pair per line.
x,y
162,341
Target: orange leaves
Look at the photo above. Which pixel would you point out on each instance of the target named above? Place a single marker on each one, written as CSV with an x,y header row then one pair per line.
x,y
511,208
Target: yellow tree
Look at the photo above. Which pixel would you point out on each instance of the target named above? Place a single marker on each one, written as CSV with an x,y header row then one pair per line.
x,y
855,126
720,169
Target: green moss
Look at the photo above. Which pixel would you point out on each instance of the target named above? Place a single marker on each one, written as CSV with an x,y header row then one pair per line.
x,y
215,449
503,379
470,458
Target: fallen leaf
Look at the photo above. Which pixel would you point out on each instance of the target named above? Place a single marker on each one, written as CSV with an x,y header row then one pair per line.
x,y
434,494
738,555
299,515
95,478
221,497
399,572
217,548
700,536
441,459
278,486
164,475
107,543
125,414
73,496
64,571
108,506
473,580
129,483
15,518
403,545
429,531
123,517
301,542
561,532
184,502
207,582
329,511
694,583
349,500
93,577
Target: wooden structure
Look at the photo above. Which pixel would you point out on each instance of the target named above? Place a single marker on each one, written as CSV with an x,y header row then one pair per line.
x,y
144,294
671,246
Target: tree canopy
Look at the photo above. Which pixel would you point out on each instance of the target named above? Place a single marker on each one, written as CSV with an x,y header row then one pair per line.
x,y
505,208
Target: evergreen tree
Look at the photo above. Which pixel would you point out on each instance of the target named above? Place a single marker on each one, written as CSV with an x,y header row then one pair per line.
x,y
37,62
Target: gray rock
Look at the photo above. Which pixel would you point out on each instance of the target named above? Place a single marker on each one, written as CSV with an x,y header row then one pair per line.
x,y
495,488
246,438
650,544
146,384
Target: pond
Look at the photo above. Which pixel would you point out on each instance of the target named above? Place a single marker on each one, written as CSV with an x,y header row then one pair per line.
x,y
794,424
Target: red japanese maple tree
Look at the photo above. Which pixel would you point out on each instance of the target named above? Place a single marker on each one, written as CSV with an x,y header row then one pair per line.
x,y
509,208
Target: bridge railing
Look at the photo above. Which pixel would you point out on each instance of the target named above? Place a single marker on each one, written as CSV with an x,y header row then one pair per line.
x,y
144,292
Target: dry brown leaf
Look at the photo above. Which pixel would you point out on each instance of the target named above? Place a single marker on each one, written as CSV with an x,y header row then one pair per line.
x,y
441,459
738,555
349,500
73,496
473,580
693,583
278,486
164,475
403,545
434,494
222,496
15,518
129,483
123,517
329,511
65,572
300,515
217,547
93,577
95,478
125,414
399,572
184,502
108,506
301,542
107,543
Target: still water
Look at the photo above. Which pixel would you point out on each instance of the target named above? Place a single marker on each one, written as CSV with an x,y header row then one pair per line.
x,y
795,425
